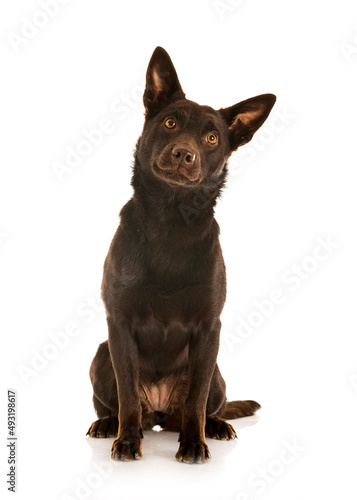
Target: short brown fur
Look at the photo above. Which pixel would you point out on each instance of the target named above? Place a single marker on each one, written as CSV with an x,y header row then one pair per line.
x,y
164,283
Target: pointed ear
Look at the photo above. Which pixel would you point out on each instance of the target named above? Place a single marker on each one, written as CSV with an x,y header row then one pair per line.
x,y
162,83
246,117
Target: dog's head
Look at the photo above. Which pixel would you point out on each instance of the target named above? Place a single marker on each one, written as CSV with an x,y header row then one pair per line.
x,y
183,143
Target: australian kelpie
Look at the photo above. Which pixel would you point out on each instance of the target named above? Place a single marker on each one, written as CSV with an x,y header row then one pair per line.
x,y
164,282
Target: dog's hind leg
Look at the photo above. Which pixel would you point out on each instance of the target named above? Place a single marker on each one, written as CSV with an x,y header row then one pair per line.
x,y
106,425
216,427
218,409
105,398
101,410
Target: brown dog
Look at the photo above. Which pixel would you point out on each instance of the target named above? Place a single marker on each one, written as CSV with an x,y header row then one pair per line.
x,y
164,281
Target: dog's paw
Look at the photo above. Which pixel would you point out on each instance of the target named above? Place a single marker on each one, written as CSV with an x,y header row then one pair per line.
x,y
126,449
103,428
217,428
193,453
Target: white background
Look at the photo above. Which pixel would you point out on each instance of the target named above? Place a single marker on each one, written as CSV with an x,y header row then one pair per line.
x,y
294,184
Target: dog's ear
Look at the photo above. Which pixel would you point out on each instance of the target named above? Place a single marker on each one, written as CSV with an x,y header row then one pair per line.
x,y
246,117
162,83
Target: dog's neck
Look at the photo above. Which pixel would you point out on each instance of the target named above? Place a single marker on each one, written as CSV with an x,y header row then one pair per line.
x,y
160,206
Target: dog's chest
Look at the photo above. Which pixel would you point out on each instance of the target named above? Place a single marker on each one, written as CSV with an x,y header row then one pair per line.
x,y
159,396
162,350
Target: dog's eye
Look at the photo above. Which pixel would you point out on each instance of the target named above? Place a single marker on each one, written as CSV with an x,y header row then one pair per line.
x,y
170,123
212,138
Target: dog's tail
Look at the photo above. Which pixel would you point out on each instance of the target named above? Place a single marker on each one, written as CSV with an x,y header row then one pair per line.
x,y
238,409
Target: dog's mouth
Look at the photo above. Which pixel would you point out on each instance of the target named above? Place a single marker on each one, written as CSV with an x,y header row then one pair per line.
x,y
180,176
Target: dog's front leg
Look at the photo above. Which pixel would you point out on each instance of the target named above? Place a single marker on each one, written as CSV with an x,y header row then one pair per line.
x,y
123,353
203,350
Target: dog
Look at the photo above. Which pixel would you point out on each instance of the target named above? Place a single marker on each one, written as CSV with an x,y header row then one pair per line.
x,y
164,282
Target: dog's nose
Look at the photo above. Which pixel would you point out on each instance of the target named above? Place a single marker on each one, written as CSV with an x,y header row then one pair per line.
x,y
184,156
